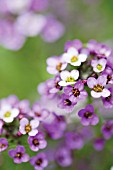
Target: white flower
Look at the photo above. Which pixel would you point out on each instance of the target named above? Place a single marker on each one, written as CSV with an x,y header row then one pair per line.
x,y
29,128
99,65
18,6
30,24
73,57
7,113
111,168
68,78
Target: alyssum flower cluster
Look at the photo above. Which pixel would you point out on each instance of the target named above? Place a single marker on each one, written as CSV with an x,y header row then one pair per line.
x,y
83,81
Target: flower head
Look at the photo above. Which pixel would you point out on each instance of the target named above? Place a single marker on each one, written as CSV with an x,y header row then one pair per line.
x,y
7,113
68,78
66,103
37,142
19,155
39,161
99,65
74,57
88,117
29,127
98,86
76,93
3,144
55,64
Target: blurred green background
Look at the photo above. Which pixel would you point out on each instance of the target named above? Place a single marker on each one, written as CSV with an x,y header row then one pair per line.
x,y
21,71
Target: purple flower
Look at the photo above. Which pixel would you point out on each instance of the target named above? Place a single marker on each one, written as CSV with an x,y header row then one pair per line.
x,y
3,144
37,142
29,128
107,129
98,144
56,128
66,103
44,90
92,45
77,44
77,92
19,154
38,112
53,84
102,50
10,37
98,86
88,117
39,5
53,30
74,140
28,24
39,161
99,65
55,64
108,101
109,73
23,106
63,156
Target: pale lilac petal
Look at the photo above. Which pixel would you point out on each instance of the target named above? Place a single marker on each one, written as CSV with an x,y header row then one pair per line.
x,y
105,93
102,80
95,94
34,123
95,120
75,74
94,63
24,122
25,158
33,132
52,70
91,82
52,61
82,57
62,83
15,112
64,75
72,51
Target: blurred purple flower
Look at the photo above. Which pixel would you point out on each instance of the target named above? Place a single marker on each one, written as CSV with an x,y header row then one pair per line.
x,y
98,144
74,140
39,161
3,144
107,129
66,103
63,156
53,30
87,116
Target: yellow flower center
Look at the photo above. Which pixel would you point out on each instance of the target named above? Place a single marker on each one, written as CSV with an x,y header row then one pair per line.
x,y
7,114
58,67
74,59
98,88
70,79
99,67
28,128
